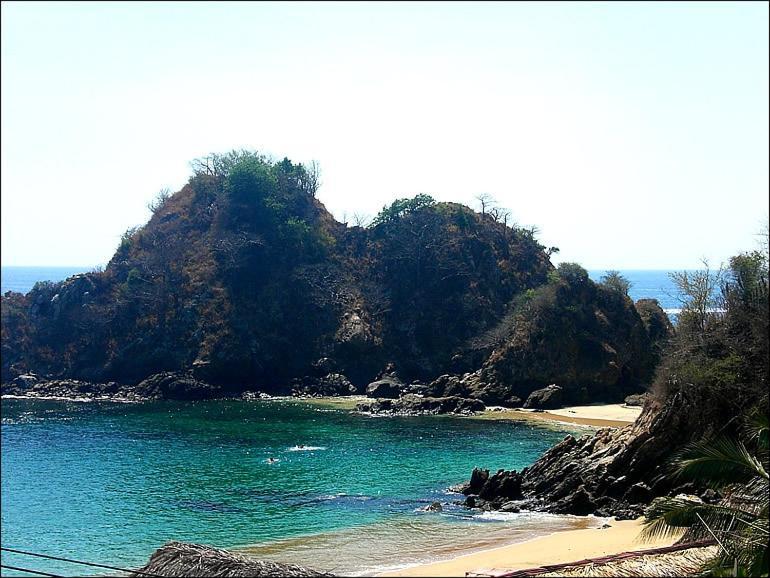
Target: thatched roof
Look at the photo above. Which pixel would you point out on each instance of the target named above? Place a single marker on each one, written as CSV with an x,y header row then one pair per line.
x,y
180,559
677,560
683,563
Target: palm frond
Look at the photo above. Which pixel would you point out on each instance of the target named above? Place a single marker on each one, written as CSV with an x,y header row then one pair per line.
x,y
719,462
668,516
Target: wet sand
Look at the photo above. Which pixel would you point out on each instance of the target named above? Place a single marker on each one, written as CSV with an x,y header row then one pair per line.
x,y
568,546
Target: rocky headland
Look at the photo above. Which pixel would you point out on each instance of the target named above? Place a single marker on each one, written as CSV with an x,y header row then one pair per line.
x,y
242,281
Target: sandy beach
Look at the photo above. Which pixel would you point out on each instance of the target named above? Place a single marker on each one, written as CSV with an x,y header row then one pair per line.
x,y
597,415
567,546
600,415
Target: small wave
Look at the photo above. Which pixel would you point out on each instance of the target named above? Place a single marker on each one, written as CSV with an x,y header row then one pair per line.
x,y
305,448
496,516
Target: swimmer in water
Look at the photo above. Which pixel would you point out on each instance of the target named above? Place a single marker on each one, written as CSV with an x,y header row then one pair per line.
x,y
301,446
271,460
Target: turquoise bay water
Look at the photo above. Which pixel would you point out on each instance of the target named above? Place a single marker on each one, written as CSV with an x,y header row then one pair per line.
x,y
109,482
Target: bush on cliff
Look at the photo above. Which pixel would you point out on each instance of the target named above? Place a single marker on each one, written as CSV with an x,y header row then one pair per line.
x,y
587,338
244,277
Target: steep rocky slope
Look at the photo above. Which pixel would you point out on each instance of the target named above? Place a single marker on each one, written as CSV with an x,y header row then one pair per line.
x,y
245,281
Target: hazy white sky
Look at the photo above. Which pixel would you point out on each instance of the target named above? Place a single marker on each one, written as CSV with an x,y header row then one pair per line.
x,y
632,135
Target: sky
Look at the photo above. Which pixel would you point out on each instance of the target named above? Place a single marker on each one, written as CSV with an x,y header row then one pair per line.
x,y
632,135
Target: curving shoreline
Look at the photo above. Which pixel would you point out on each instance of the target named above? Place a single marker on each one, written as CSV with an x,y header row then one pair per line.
x,y
559,547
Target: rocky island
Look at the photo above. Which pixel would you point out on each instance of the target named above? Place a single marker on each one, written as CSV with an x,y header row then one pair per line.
x,y
242,281
243,284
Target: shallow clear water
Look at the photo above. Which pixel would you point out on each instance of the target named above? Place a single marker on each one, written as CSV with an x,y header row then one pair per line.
x,y
110,482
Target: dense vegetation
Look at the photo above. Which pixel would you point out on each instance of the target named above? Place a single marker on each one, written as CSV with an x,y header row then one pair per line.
x,y
719,360
245,279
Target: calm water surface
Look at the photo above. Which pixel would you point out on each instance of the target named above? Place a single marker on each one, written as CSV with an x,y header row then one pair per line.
x,y
111,482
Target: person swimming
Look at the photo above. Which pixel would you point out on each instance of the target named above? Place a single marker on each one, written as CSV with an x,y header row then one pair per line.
x,y
271,460
301,446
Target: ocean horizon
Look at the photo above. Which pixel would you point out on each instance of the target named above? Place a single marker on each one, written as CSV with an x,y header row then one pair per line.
x,y
645,283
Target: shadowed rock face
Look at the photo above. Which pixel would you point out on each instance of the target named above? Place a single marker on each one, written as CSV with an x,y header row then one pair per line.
x,y
616,471
246,284
411,404
547,398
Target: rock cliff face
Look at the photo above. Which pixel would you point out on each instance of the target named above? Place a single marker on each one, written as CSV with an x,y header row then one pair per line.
x,y
243,280
614,472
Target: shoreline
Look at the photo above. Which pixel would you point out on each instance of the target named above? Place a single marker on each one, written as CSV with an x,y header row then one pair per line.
x,y
555,548
594,416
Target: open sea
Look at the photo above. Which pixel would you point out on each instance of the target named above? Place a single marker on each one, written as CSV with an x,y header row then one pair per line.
x,y
111,482
645,283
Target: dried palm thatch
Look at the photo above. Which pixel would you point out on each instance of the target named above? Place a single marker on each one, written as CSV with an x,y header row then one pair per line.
x,y
689,562
181,559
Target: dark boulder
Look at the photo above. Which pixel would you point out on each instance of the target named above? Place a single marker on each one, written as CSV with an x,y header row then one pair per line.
x,y
550,397
26,381
411,404
177,386
330,385
504,485
636,399
510,507
479,477
388,388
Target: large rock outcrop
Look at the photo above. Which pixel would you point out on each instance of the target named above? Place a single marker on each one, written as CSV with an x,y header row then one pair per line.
x,y
616,471
244,281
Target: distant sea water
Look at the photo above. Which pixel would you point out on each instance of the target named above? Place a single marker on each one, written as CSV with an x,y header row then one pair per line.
x,y
645,283
22,279
648,284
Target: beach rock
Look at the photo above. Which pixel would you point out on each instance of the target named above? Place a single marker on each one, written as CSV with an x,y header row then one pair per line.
x,y
479,477
70,389
411,404
639,493
330,385
547,398
386,388
504,485
635,399
510,507
433,507
471,385
25,381
459,488
174,385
